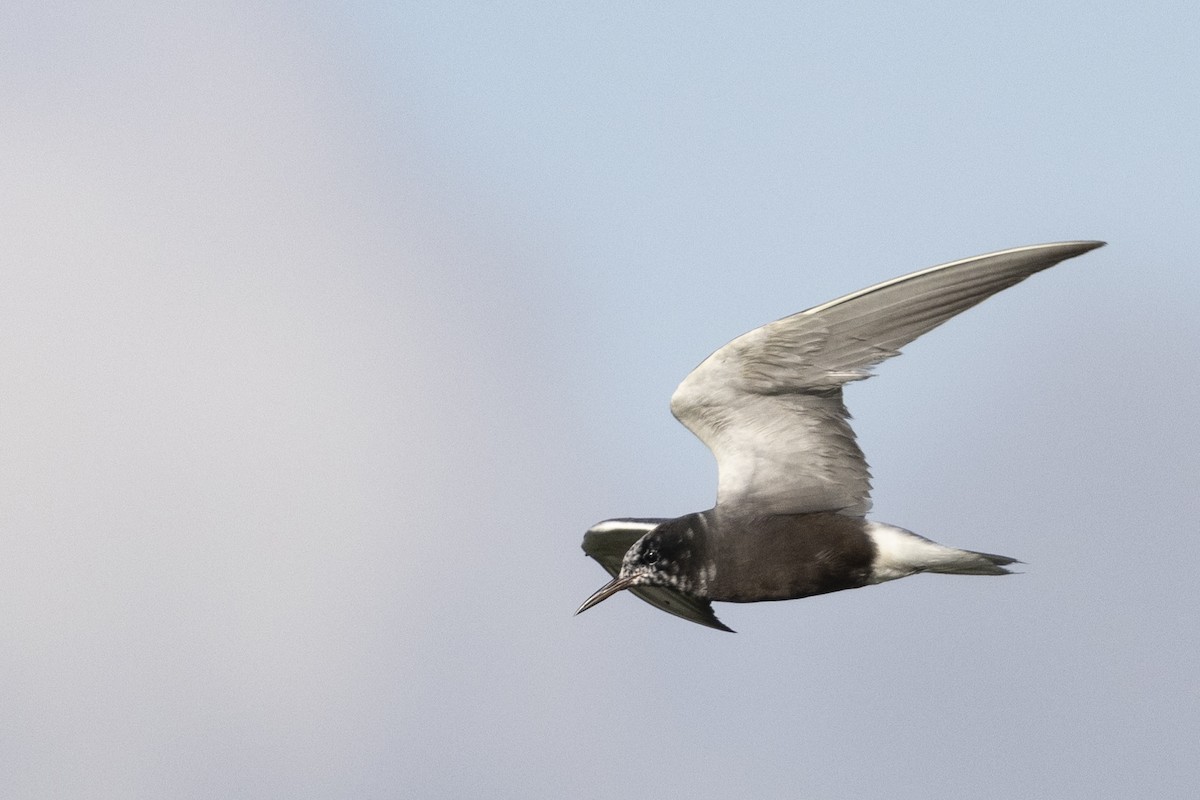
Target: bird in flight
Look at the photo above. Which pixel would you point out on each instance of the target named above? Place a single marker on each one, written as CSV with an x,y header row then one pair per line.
x,y
793,487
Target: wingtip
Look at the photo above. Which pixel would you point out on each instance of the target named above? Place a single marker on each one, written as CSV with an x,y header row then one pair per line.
x,y
1080,247
1055,252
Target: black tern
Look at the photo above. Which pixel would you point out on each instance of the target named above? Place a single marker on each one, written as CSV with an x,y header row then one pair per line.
x,y
793,487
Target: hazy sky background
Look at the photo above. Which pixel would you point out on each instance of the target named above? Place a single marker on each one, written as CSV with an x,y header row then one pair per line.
x,y
326,331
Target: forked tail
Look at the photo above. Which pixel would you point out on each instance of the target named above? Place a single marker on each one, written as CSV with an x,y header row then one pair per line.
x,y
899,553
969,562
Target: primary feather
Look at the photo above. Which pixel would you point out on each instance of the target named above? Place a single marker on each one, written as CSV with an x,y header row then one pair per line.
x,y
769,404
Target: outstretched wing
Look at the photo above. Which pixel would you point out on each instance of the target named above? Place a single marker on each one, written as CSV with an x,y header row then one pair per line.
x,y
769,403
608,542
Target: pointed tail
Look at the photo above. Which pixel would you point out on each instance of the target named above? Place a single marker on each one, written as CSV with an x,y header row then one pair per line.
x,y
899,552
969,562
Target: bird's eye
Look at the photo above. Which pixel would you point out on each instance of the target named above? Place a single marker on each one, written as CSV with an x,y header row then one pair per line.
x,y
651,556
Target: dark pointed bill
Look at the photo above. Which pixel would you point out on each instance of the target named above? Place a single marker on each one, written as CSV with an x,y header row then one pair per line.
x,y
604,592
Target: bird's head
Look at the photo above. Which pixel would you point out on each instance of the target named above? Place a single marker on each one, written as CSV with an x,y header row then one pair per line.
x,y
666,556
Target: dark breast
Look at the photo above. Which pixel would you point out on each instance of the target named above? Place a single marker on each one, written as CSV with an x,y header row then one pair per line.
x,y
788,556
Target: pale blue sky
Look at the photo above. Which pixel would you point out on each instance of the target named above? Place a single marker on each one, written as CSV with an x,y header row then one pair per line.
x,y
326,331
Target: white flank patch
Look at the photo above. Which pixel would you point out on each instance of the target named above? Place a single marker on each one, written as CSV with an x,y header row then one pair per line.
x,y
901,553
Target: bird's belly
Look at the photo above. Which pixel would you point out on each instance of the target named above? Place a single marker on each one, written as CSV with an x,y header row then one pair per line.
x,y
787,584
784,558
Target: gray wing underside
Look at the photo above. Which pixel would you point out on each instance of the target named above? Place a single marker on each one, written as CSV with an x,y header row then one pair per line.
x,y
769,403
609,548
